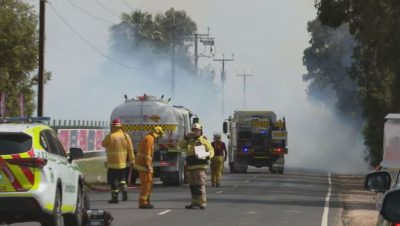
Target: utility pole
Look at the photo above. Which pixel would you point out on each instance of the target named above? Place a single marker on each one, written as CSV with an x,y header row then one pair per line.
x,y
173,58
223,76
206,41
41,58
244,75
173,53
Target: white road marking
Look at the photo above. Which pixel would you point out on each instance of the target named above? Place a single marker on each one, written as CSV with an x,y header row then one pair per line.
x,y
247,181
164,212
326,207
235,186
218,192
252,212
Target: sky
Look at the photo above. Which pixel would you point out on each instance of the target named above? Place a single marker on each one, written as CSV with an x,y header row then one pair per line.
x,y
267,38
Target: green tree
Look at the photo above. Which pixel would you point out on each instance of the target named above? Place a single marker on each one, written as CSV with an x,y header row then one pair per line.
x,y
148,38
375,68
18,54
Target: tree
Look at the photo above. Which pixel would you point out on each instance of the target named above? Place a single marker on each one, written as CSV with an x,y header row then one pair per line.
x,y
375,68
328,61
149,38
18,54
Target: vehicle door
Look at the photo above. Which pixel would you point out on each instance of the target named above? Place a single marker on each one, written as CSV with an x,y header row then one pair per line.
x,y
62,169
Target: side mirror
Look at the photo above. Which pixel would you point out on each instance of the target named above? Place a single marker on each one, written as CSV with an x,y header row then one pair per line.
x,y
225,127
195,120
391,205
378,181
75,153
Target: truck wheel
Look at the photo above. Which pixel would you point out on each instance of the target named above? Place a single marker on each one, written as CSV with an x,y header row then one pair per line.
x,y
231,167
181,174
271,170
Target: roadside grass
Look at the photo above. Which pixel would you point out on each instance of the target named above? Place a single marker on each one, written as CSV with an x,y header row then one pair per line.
x,y
94,170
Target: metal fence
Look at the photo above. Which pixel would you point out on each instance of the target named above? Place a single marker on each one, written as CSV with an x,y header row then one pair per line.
x,y
81,124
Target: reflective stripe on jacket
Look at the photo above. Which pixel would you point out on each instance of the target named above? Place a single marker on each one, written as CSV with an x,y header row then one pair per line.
x,y
119,149
188,146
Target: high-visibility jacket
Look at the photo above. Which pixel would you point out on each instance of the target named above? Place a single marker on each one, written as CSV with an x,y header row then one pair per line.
x,y
192,162
144,157
119,149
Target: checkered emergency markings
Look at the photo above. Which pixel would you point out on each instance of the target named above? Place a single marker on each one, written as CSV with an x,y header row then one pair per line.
x,y
260,124
148,127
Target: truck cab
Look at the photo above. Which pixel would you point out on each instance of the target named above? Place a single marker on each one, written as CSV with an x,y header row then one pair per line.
x,y
256,138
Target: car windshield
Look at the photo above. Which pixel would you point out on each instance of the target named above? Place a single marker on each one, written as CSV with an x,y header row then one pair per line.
x,y
13,143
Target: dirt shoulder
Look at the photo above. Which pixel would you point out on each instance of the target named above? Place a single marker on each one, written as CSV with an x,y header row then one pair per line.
x,y
359,206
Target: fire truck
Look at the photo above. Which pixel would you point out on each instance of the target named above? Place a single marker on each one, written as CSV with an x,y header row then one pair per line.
x,y
256,138
140,115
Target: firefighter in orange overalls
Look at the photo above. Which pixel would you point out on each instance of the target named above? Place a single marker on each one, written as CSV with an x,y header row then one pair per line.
x,y
144,164
217,162
119,150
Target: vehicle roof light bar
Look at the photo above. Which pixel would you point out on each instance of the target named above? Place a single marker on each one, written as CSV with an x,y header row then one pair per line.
x,y
24,119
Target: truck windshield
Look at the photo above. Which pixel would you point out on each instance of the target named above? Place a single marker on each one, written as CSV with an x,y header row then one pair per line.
x,y
14,143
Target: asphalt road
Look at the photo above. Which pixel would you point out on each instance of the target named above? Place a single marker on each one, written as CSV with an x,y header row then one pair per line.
x,y
255,198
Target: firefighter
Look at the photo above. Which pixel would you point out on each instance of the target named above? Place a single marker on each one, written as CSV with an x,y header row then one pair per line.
x,y
196,167
217,162
144,164
119,150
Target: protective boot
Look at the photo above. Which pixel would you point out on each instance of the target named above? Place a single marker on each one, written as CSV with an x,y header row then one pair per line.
x,y
123,188
124,196
114,197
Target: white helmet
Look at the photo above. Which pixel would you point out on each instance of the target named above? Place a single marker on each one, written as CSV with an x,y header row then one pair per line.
x,y
197,126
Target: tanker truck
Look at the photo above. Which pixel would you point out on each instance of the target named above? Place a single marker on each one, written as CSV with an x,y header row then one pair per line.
x,y
140,115
256,138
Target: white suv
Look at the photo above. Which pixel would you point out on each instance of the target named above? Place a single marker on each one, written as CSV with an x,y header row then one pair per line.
x,y
38,181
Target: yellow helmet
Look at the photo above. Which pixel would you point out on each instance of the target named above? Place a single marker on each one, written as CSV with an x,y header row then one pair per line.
x,y
158,131
197,126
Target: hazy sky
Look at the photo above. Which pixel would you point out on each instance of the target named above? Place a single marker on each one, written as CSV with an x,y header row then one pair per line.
x,y
267,38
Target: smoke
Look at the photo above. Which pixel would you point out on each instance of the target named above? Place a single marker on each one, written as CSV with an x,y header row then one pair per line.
x,y
268,39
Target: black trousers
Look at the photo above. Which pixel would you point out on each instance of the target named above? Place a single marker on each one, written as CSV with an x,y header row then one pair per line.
x,y
116,178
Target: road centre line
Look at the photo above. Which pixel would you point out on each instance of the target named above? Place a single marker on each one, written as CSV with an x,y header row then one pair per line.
x,y
235,186
247,181
218,192
164,212
326,207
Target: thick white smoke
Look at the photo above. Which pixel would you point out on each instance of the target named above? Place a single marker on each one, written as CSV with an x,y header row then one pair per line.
x,y
268,39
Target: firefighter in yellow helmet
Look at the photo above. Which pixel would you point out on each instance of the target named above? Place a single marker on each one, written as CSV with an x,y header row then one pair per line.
x,y
119,149
196,166
144,164
217,162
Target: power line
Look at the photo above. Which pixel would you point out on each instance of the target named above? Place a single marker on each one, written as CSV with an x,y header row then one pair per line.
x,y
107,9
88,13
87,42
127,5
